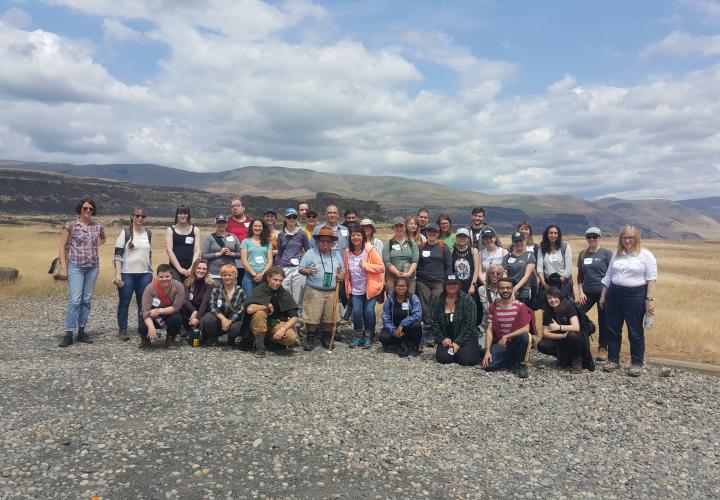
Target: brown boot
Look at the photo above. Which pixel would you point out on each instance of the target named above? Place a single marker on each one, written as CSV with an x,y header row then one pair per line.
x,y
576,365
170,343
144,342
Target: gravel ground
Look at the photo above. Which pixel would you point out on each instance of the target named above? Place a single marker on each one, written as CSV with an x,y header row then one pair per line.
x,y
110,420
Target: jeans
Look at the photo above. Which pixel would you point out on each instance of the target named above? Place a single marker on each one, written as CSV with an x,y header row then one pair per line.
x,y
132,282
248,285
591,300
294,283
81,284
364,313
515,353
625,305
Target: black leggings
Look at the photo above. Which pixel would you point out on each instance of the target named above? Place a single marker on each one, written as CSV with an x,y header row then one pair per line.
x,y
591,300
564,350
211,329
173,323
410,339
469,354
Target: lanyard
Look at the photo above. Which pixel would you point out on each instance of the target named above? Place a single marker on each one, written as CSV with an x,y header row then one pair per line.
x,y
322,262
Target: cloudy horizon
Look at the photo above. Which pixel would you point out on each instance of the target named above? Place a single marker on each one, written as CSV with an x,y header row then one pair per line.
x,y
589,100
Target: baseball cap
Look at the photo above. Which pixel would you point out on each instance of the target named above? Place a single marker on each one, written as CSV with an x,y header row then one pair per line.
x,y
593,230
518,236
432,227
220,218
367,222
270,211
451,278
290,211
488,232
462,231
398,220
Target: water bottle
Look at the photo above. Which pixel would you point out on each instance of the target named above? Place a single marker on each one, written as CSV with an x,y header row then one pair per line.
x,y
160,321
195,336
648,322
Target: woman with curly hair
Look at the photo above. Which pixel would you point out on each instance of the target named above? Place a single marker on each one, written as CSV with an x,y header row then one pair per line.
x,y
256,255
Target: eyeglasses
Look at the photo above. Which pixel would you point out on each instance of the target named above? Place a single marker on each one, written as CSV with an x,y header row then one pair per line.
x,y
324,240
139,216
592,237
505,288
627,238
88,209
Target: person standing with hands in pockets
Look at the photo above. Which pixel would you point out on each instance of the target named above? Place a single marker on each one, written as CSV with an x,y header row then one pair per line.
x,y
220,248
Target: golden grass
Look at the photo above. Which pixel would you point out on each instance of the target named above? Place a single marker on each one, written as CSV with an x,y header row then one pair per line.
x,y
685,297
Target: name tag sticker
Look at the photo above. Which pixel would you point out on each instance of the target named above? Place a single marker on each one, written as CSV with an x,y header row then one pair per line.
x,y
189,240
190,296
156,302
343,232
511,260
451,351
247,224
426,253
259,259
295,262
396,247
230,237
405,306
219,302
588,261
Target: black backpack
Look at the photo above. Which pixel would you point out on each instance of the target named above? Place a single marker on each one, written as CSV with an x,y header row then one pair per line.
x,y
587,328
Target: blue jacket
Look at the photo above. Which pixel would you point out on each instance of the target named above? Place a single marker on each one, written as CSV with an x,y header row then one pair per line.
x,y
387,312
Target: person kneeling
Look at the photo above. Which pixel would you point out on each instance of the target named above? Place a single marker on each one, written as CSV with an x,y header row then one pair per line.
x,y
453,323
227,309
162,301
274,313
402,321
507,341
561,335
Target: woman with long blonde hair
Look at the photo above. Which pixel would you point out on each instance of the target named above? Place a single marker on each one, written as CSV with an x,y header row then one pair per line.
x,y
627,296
412,230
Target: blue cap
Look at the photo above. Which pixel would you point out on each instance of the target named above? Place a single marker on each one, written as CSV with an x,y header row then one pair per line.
x,y
290,211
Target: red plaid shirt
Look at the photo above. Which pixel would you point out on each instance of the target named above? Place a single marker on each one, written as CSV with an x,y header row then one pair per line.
x,y
83,243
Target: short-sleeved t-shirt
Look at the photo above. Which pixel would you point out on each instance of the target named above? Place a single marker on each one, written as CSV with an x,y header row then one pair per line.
x,y
564,319
256,255
291,248
594,266
324,263
516,267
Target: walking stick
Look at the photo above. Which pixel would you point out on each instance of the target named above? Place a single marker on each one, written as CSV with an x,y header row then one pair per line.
x,y
331,345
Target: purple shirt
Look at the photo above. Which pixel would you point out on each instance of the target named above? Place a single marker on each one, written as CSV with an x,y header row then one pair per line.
x,y
83,243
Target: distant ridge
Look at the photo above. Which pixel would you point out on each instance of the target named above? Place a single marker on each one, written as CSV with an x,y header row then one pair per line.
x,y
400,196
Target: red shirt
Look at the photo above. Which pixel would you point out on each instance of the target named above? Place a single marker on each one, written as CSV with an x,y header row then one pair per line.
x,y
239,229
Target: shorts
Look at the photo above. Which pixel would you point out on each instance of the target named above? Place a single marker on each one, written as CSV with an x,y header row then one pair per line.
x,y
317,306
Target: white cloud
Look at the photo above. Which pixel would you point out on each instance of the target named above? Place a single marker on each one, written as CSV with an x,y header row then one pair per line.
x,y
116,31
16,17
232,92
710,9
679,43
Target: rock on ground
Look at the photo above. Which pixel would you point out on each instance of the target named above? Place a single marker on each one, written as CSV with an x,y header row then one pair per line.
x,y
110,420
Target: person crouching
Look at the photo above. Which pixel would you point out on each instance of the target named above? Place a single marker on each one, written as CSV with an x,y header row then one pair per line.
x,y
162,301
273,312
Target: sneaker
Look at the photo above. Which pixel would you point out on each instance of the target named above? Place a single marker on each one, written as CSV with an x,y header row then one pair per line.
x,y
602,354
67,340
356,342
144,343
367,343
413,352
170,343
611,366
522,371
123,334
635,371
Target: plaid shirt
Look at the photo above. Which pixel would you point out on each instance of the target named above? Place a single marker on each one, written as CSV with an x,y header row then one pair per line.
x,y
232,310
83,243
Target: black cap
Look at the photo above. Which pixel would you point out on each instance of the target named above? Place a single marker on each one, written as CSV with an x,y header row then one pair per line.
x,y
518,236
432,227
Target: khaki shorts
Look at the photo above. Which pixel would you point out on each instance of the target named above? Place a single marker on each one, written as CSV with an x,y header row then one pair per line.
x,y
317,306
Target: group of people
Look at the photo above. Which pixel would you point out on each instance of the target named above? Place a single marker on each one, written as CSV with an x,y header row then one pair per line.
x,y
461,292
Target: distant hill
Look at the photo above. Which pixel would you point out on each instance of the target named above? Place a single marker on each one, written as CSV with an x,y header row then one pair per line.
x,y
24,191
400,196
707,206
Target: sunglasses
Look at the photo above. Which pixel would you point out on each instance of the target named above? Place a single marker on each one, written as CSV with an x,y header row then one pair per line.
x,y
88,209
139,216
291,216
592,236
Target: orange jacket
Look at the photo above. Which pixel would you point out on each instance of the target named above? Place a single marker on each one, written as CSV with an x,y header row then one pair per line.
x,y
374,269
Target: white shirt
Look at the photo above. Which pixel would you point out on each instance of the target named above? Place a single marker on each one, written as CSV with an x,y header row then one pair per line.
x,y
137,259
631,270
555,262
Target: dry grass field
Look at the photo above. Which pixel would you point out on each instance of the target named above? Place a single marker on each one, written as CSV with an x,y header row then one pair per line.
x,y
688,280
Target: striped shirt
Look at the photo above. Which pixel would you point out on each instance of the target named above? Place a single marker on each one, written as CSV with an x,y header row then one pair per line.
x,y
505,317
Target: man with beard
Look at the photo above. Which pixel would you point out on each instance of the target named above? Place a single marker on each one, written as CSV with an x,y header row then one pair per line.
x,y
507,341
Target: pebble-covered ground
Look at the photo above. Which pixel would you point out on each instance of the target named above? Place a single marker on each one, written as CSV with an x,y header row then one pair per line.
x,y
110,420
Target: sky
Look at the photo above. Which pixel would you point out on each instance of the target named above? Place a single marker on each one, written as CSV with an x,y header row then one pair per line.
x,y
594,99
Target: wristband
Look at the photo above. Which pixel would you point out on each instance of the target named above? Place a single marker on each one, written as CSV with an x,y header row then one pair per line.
x,y
649,299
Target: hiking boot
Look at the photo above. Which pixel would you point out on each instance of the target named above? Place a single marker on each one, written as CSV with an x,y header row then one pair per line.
x,y
309,343
522,371
82,337
357,340
170,343
602,354
259,346
635,371
403,351
325,340
67,340
123,334
144,343
576,366
413,352
611,366
367,343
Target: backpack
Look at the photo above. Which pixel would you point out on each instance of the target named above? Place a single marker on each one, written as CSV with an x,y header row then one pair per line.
x,y
587,327
440,242
127,235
